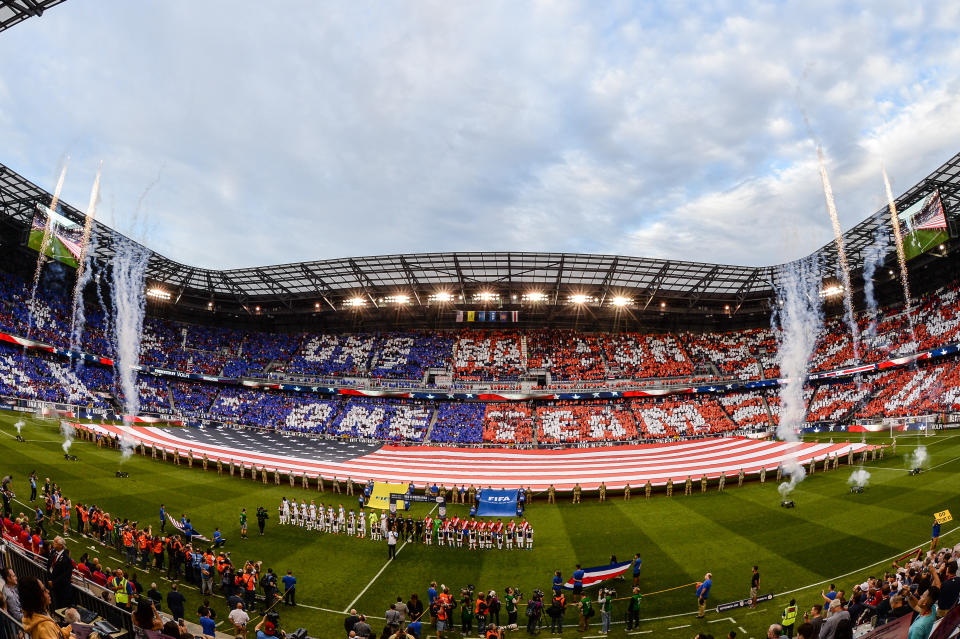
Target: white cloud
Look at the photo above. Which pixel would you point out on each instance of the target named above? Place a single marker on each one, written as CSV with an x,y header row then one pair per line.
x,y
331,129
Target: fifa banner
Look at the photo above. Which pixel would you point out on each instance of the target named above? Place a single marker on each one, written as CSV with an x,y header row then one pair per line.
x,y
593,576
380,497
497,503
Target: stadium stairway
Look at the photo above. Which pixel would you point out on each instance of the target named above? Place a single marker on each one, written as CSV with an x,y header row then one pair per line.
x,y
433,420
173,406
766,406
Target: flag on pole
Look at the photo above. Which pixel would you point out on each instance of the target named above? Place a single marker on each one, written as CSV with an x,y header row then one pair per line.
x,y
593,576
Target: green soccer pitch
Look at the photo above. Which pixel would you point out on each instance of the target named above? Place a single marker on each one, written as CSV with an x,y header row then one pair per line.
x,y
831,535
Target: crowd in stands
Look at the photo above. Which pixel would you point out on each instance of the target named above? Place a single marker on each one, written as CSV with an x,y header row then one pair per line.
x,y
491,354
566,354
495,358
508,422
459,423
834,401
569,422
675,417
640,356
745,409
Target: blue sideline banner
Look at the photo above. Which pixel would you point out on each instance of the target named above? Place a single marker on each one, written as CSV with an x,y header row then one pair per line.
x,y
497,503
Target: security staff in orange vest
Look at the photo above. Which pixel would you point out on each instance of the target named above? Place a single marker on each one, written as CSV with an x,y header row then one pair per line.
x,y
129,547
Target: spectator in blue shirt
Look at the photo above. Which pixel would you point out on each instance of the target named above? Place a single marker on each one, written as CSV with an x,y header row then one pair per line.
x,y
163,517
557,581
289,589
703,591
636,569
935,535
577,583
431,593
414,627
218,539
209,625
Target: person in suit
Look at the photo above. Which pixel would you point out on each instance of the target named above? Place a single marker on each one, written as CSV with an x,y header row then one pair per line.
x,y
59,573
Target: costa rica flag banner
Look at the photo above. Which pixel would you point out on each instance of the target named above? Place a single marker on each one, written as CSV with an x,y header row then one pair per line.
x,y
593,576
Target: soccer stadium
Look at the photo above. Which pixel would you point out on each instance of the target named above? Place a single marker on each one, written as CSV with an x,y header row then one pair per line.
x,y
462,443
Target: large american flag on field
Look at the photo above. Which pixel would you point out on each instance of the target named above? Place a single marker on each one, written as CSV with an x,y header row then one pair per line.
x,y
614,466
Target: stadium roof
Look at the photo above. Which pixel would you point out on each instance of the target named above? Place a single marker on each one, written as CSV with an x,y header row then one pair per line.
x,y
16,11
505,278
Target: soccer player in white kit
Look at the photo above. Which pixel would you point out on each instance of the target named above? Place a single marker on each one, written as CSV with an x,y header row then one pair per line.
x,y
362,520
312,522
284,511
296,513
352,523
341,520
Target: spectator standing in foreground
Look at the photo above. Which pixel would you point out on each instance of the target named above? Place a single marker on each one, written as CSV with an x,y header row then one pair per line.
x,y
35,601
289,589
239,618
11,597
175,601
209,625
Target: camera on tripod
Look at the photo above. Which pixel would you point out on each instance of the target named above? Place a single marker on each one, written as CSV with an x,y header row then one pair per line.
x,y
69,457
122,473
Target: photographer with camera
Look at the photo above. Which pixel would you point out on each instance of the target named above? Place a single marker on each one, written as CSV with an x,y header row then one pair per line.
x,y
534,610
510,602
605,601
480,610
557,607
269,627
494,632
466,611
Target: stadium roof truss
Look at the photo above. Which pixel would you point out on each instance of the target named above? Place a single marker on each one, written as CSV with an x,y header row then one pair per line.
x,y
14,12
330,284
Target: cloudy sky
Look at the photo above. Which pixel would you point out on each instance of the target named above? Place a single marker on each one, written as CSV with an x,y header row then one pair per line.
x,y
260,133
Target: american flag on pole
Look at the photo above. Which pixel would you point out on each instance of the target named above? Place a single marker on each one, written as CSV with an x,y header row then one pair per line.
x,y
593,576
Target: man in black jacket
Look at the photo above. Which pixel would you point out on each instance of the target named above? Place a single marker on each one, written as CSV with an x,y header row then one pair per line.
x,y
59,572
175,601
351,621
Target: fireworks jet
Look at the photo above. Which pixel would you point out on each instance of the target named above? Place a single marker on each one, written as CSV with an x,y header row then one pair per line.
x,y
858,480
841,255
45,245
872,260
68,433
901,256
128,268
84,264
799,317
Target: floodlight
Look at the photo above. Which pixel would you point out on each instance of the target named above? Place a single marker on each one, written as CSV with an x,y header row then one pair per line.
x,y
534,296
835,290
486,296
441,296
621,301
579,298
663,304
159,294
355,302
